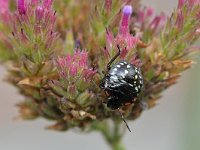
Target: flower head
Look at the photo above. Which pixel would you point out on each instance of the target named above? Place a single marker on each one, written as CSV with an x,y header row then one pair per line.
x,y
75,66
67,91
124,39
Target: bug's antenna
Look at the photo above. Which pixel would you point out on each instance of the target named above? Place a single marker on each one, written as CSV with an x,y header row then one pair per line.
x,y
124,120
113,59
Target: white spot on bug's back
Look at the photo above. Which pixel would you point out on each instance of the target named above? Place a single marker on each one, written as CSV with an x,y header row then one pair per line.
x,y
106,85
136,88
136,76
128,66
125,62
126,71
130,84
121,63
112,73
118,66
114,78
123,81
115,69
140,81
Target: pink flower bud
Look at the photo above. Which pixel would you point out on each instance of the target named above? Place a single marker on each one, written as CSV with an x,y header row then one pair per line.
x,y
88,73
23,37
83,59
109,38
21,7
180,20
39,13
4,11
108,5
3,6
47,4
73,70
193,2
150,12
34,2
198,31
181,3
124,27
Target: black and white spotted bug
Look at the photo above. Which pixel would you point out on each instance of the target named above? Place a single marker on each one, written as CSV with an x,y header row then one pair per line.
x,y
122,83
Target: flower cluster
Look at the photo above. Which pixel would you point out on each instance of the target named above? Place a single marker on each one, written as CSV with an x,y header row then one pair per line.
x,y
147,20
58,64
127,42
73,68
34,26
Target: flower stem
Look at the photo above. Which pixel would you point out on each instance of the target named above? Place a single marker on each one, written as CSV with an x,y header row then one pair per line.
x,y
117,145
112,134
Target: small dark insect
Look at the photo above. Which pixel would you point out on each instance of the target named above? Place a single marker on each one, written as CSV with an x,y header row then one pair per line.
x,y
122,83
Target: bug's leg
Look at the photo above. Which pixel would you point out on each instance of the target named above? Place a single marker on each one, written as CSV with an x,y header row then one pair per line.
x,y
113,59
124,120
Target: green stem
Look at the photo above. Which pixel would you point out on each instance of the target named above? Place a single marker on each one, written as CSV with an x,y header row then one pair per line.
x,y
116,145
112,134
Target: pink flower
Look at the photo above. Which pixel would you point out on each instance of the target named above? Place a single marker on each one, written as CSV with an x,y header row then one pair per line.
x,y
150,11
29,23
39,13
47,4
144,15
157,23
108,5
180,19
193,2
34,2
189,3
109,38
147,20
124,39
198,31
21,7
88,74
4,11
127,41
124,26
181,3
4,6
75,65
